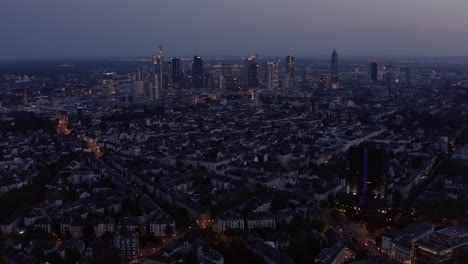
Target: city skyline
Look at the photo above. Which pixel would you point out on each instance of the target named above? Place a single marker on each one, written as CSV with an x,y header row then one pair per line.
x,y
120,29
248,131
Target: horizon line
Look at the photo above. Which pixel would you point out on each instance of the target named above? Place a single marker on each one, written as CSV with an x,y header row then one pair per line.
x,y
230,57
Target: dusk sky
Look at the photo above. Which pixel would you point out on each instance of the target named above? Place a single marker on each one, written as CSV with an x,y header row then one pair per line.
x,y
306,28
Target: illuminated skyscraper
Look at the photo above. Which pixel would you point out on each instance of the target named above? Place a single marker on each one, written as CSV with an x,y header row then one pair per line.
x,y
198,74
334,76
373,70
272,75
251,69
158,79
290,72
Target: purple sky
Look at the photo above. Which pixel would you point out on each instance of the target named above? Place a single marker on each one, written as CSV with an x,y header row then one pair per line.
x,y
306,28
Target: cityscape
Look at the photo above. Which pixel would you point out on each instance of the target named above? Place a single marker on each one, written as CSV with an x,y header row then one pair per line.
x,y
266,157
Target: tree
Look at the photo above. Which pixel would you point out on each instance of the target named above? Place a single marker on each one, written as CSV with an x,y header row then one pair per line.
x,y
72,256
54,258
325,122
130,206
168,230
279,202
70,194
397,198
88,232
112,258
103,125
2,239
107,236
55,227
38,253
319,225
348,133
150,239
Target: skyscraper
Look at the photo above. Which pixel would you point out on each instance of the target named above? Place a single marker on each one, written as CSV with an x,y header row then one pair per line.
x,y
373,70
272,75
334,76
227,77
108,82
198,74
138,84
153,87
290,72
158,63
251,69
175,70
139,76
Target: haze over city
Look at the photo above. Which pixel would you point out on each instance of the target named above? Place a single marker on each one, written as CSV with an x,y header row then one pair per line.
x,y
121,28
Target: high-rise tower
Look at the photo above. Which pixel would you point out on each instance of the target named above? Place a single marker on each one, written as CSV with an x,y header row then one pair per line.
x,y
228,77
198,74
107,81
272,75
334,76
138,84
251,69
176,73
290,72
158,64
139,76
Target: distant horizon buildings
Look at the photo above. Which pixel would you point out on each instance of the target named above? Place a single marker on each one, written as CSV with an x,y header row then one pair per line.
x,y
250,74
